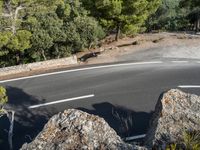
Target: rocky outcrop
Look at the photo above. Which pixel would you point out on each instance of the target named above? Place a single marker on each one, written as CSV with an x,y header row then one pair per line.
x,y
175,113
74,129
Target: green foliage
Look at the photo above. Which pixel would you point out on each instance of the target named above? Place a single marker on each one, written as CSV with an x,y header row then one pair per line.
x,y
169,16
20,41
175,15
172,147
34,30
189,141
127,15
12,45
83,32
4,38
41,41
190,3
193,14
3,97
3,101
47,30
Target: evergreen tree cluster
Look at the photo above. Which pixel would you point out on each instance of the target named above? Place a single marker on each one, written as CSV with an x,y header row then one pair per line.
x,y
36,30
176,15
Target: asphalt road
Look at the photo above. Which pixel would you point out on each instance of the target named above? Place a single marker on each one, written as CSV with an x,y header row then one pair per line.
x,y
164,53
129,89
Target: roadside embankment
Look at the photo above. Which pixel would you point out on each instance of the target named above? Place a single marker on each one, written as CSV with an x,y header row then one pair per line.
x,y
38,66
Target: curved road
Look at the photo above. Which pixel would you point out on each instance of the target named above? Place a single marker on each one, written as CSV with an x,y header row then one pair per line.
x,y
128,89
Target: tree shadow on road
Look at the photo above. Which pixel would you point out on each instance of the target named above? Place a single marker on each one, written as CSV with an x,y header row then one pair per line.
x,y
28,122
124,121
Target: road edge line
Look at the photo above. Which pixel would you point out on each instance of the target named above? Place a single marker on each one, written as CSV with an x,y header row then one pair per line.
x,y
189,86
81,69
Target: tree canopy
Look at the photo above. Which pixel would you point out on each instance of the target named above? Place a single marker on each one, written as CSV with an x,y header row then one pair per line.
x,y
174,15
125,15
3,97
35,30
194,12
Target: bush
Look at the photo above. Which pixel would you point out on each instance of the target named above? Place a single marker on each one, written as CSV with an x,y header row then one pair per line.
x,y
83,32
190,141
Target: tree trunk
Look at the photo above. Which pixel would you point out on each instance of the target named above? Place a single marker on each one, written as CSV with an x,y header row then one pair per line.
x,y
13,14
196,26
11,117
89,49
10,133
118,32
17,58
197,23
15,17
43,55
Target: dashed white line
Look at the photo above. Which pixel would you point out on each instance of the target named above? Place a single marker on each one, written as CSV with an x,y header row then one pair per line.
x,y
82,69
61,101
135,137
189,86
179,61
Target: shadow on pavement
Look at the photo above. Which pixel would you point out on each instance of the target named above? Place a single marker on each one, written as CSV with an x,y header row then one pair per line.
x,y
28,123
124,121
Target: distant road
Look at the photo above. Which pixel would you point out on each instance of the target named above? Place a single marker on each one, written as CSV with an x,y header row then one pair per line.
x,y
129,88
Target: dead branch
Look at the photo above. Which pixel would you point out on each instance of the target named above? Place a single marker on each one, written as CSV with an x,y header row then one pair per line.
x,y
11,117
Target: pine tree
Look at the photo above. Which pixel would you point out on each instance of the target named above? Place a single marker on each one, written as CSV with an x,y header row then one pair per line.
x,y
122,15
194,15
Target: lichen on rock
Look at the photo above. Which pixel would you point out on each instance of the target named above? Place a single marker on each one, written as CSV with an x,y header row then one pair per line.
x,y
175,113
75,129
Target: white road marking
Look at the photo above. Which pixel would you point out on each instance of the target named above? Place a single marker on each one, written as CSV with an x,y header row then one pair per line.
x,y
82,69
135,137
179,61
198,62
189,86
61,101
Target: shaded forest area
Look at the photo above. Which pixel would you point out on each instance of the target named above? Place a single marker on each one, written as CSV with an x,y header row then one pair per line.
x,y
37,30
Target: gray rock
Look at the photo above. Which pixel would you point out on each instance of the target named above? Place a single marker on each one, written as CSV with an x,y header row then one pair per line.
x,y
175,113
74,129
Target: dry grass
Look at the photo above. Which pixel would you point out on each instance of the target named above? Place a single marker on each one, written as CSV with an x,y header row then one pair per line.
x,y
190,141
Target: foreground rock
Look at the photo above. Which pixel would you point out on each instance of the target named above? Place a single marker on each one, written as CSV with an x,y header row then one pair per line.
x,y
175,113
75,129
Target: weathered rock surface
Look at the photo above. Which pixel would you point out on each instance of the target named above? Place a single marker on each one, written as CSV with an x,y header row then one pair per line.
x,y
78,130
175,113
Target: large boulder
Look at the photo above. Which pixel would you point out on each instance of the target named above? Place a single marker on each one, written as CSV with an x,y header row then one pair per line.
x,y
74,129
175,113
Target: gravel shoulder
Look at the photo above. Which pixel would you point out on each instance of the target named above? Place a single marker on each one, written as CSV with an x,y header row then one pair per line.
x,y
148,47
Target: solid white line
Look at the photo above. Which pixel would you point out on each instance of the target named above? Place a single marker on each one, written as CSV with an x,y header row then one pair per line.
x,y
189,86
61,101
135,137
82,69
179,61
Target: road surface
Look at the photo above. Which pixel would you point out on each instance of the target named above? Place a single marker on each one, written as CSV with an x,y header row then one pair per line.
x,y
128,88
